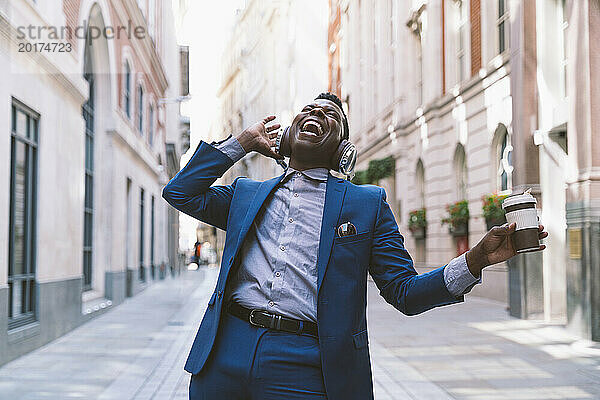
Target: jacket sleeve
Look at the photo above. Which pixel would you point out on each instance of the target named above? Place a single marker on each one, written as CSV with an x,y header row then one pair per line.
x,y
392,270
190,191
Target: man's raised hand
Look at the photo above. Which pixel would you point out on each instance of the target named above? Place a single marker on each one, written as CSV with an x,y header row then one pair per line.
x,y
496,246
260,137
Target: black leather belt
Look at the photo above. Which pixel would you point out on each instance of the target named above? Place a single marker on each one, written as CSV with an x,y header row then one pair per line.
x,y
265,319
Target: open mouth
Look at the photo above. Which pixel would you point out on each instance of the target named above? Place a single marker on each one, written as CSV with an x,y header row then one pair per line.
x,y
312,128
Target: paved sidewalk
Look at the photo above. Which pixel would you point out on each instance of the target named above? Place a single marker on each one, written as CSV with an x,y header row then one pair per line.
x,y
470,351
475,351
135,351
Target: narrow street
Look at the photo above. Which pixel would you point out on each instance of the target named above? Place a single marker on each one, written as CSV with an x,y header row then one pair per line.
x,y
470,351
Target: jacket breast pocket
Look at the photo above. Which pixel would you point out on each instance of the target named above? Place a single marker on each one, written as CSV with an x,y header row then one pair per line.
x,y
352,238
360,339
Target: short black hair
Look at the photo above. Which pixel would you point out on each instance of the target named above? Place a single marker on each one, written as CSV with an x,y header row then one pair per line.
x,y
332,97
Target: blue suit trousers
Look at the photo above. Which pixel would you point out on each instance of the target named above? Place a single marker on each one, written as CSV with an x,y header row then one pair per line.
x,y
252,363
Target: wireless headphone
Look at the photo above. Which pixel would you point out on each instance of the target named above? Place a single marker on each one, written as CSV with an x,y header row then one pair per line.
x,y
343,160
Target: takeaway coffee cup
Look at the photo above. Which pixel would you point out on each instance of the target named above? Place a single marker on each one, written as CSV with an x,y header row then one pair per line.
x,y
521,208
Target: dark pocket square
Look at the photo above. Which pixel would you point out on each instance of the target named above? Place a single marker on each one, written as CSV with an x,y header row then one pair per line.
x,y
346,229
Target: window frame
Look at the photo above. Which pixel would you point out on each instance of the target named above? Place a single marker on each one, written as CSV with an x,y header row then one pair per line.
x,y
31,143
504,20
140,109
142,270
504,160
127,103
462,42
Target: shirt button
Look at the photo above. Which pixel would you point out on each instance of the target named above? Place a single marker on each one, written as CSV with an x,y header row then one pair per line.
x,y
298,174
291,220
271,304
296,194
282,248
278,274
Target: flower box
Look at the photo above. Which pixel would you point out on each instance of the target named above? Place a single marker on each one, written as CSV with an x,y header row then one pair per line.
x,y
458,218
417,223
492,210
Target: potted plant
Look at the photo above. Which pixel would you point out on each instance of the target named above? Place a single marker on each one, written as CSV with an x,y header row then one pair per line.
x,y
417,223
492,210
458,218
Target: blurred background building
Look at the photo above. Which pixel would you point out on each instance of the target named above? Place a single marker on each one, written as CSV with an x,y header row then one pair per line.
x,y
93,135
274,63
468,98
451,103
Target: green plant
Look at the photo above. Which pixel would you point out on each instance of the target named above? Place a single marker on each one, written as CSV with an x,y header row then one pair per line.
x,y
378,169
492,207
360,178
417,219
458,214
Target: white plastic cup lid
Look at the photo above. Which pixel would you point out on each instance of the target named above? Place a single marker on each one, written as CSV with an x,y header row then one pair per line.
x,y
518,199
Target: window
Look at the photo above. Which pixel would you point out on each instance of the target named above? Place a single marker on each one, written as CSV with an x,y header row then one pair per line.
x,y
460,172
461,39
128,225
127,90
420,181
503,159
152,237
22,218
503,24
140,109
142,271
151,125
88,207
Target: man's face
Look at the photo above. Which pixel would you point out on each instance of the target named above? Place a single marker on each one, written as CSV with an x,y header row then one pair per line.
x,y
316,133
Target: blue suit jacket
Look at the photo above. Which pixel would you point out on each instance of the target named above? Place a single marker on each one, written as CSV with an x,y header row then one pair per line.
x,y
343,264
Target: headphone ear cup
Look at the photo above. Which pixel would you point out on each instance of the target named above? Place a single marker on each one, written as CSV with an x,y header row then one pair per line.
x,y
282,143
344,158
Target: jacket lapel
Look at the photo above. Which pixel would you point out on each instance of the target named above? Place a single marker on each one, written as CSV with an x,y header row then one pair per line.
x,y
260,196
334,196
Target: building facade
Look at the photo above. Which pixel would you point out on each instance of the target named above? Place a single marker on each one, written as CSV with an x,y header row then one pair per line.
x,y
84,225
471,98
275,63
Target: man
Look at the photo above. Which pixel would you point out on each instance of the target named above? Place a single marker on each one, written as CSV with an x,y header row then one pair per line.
x,y
287,319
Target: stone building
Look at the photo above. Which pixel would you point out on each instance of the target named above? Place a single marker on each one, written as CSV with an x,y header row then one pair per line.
x,y
470,98
83,222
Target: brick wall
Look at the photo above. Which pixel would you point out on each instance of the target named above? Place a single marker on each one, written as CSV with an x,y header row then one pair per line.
x,y
475,22
71,10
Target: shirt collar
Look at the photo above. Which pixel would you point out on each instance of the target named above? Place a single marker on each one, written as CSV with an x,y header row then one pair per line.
x,y
317,174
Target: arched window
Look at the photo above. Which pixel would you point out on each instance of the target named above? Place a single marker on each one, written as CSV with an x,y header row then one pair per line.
x,y
460,173
420,184
127,90
140,100
503,152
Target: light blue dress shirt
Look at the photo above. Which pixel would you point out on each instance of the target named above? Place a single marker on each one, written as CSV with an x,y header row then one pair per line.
x,y
278,265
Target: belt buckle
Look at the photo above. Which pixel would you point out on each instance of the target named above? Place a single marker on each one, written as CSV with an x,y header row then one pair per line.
x,y
275,322
251,321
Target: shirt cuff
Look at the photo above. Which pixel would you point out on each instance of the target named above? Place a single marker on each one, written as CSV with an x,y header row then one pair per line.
x,y
458,278
231,148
